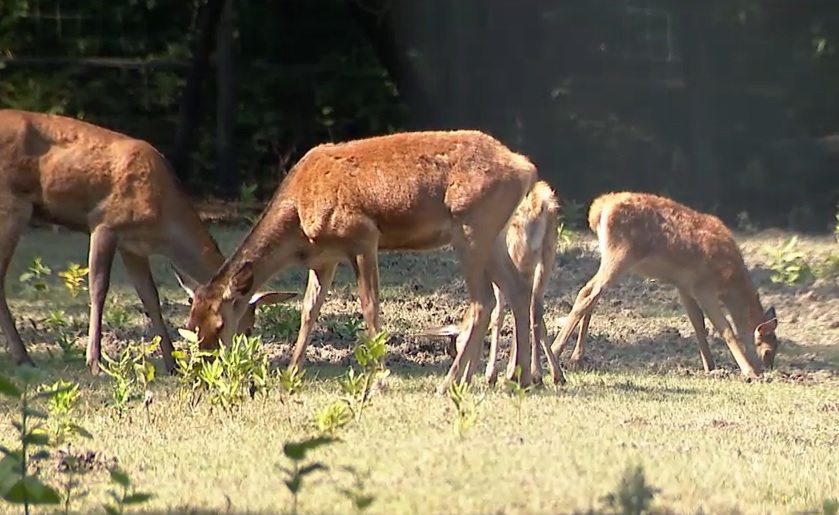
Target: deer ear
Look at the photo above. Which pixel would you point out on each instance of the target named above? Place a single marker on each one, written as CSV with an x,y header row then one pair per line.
x,y
241,282
264,298
186,283
770,322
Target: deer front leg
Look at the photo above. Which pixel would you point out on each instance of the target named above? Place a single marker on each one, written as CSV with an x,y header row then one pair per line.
x,y
103,244
366,268
496,322
140,276
12,223
697,319
749,365
320,279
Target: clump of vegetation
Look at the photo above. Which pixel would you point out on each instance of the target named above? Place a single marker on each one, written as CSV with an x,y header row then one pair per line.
x,y
346,329
124,494
117,317
279,319
518,392
789,266
132,373
359,386
573,214
228,375
34,280
634,496
296,453
466,407
74,278
58,325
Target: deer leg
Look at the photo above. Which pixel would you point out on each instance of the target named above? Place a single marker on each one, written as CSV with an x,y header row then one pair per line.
x,y
504,273
13,220
612,266
579,347
103,245
710,304
481,302
320,279
366,267
140,275
697,319
496,322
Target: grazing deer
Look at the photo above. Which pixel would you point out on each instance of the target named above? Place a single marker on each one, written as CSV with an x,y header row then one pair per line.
x,y
531,241
659,238
119,190
407,191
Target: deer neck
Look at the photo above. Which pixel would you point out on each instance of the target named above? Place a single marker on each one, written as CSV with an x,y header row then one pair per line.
x,y
744,305
193,250
273,243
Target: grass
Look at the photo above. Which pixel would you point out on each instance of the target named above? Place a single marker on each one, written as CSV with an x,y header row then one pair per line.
x,y
716,444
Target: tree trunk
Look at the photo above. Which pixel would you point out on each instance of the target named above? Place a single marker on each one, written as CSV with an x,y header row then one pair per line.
x,y
190,102
226,173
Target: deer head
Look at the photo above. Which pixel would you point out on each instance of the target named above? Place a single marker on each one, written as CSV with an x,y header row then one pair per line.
x,y
766,341
216,305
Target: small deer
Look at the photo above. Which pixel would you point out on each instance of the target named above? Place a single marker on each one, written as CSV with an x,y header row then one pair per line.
x,y
531,239
659,238
117,189
408,191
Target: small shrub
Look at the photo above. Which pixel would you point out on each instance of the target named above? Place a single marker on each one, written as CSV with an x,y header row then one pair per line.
x,y
61,405
573,214
789,265
131,373
333,417
279,319
346,329
466,407
228,375
358,386
74,278
517,391
123,494
35,278
58,325
117,317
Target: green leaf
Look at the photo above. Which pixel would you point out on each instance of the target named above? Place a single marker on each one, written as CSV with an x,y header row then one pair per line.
x,y
30,489
110,510
293,484
35,413
8,388
119,477
297,450
34,438
137,498
188,335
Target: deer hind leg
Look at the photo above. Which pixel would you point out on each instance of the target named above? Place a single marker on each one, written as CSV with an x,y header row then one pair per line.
x,y
496,322
139,273
366,268
515,289
697,319
612,266
579,348
481,302
13,219
710,304
320,279
103,245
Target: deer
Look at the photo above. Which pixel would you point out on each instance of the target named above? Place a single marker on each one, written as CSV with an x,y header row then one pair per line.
x,y
119,190
406,191
658,238
531,239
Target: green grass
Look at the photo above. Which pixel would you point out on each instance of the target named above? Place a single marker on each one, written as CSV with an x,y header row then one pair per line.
x,y
717,443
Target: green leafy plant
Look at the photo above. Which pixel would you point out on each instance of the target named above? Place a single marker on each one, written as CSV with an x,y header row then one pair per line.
x,y
123,494
227,375
466,407
518,392
359,386
132,373
279,319
333,417
61,405
74,278
633,496
247,193
58,326
345,329
296,453
573,213
563,234
35,277
117,317
789,266
17,485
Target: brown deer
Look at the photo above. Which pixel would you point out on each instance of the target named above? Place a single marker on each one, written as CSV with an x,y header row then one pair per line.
x,y
659,238
531,242
408,191
119,190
